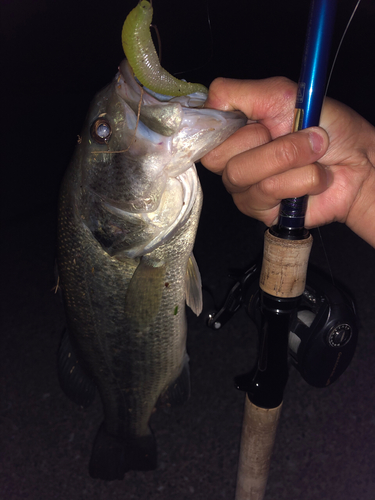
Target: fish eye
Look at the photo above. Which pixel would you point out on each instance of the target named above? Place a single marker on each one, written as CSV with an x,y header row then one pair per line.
x,y
101,131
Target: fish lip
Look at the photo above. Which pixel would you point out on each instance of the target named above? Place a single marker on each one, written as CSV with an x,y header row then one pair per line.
x,y
132,89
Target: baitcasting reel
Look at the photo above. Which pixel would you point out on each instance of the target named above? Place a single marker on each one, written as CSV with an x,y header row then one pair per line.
x,y
323,333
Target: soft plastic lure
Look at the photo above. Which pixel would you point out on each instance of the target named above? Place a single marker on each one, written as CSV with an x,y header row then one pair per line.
x,y
141,53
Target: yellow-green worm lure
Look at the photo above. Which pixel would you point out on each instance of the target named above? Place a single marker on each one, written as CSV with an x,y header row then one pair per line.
x,y
141,53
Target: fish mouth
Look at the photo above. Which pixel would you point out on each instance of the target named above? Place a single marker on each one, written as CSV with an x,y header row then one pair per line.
x,y
191,130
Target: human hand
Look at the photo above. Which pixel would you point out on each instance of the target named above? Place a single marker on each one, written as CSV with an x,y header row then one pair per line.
x,y
263,162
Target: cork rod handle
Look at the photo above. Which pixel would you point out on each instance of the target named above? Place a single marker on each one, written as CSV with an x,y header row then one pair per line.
x,y
258,436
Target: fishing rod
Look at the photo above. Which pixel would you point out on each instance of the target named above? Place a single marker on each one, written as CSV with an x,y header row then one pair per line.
x,y
282,280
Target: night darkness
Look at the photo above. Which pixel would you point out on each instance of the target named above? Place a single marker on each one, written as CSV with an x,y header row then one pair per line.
x,y
56,56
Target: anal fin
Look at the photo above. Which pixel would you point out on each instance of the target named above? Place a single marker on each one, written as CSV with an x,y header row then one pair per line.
x,y
74,381
179,391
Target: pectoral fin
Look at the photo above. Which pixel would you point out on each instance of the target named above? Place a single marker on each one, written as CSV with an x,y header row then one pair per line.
x,y
193,286
143,297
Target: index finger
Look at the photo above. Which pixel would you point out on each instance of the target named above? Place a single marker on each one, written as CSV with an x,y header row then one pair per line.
x,y
270,101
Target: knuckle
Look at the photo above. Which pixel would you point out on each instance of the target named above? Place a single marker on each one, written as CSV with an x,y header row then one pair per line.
x,y
284,94
316,175
286,153
283,82
218,85
269,186
232,174
261,134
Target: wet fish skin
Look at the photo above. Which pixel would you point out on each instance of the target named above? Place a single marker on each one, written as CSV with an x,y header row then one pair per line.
x,y
126,230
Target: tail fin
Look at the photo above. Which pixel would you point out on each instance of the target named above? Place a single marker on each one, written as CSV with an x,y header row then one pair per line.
x,y
112,456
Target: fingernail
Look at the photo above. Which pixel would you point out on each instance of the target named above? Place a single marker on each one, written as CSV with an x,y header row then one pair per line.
x,y
316,142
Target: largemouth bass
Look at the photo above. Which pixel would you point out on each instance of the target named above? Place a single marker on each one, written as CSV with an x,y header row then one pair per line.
x,y
128,213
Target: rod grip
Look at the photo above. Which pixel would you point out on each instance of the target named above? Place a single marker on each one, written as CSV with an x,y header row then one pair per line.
x,y
284,266
258,436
